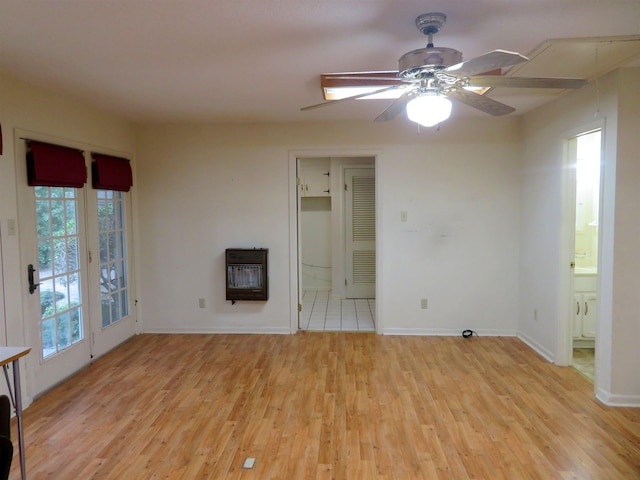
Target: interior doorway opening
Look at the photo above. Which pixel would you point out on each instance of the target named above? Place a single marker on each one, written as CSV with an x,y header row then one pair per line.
x,y
336,243
586,155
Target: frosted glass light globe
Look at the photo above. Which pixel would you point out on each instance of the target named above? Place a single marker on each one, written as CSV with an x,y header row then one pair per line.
x,y
429,109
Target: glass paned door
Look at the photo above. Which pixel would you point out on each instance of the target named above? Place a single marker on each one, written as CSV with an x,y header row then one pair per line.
x,y
114,293
76,241
61,302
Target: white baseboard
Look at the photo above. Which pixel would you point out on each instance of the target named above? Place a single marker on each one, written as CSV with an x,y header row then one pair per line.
x,y
613,400
221,330
446,332
537,347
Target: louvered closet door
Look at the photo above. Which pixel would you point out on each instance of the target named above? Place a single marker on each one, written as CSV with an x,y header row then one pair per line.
x,y
360,223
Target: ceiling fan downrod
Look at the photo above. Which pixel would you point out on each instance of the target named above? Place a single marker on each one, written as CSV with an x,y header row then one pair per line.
x,y
423,62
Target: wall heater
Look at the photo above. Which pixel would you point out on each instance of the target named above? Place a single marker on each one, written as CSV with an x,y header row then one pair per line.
x,y
247,277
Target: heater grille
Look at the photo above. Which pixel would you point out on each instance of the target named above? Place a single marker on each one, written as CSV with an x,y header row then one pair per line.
x,y
246,274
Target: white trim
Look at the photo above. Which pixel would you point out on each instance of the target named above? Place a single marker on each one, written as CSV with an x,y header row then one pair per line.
x,y
617,400
293,224
446,332
564,334
537,347
220,330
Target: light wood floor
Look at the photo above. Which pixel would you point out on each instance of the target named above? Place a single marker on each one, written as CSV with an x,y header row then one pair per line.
x,y
327,405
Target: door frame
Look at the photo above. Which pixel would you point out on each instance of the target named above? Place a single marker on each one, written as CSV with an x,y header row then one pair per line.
x,y
295,276
564,351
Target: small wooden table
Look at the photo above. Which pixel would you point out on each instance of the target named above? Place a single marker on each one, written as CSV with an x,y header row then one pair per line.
x,y
12,355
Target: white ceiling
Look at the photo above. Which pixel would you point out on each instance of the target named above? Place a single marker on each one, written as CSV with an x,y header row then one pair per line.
x,y
260,60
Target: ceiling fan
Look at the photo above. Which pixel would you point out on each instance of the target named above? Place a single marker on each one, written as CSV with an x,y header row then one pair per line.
x,y
429,78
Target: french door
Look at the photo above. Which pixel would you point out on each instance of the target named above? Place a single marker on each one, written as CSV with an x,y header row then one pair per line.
x,y
76,274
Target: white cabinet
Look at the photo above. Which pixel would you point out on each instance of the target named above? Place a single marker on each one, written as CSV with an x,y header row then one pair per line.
x,y
584,315
314,181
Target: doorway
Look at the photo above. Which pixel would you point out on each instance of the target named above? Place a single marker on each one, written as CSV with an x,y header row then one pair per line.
x,y
75,249
585,150
336,243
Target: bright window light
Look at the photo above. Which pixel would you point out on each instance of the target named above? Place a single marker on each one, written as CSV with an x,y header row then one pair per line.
x,y
337,93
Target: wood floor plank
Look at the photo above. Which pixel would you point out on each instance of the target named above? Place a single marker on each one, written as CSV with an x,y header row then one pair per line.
x,y
327,405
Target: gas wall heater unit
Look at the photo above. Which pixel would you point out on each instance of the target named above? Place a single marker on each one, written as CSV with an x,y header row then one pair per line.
x,y
247,274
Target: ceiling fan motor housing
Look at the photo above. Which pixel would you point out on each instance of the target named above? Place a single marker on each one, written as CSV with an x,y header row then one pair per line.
x,y
421,63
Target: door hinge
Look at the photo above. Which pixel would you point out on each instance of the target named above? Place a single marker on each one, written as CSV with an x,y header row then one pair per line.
x,y
299,307
346,189
90,257
345,282
298,181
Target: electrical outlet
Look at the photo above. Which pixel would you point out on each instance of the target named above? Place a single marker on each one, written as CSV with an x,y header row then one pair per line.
x,y
201,302
424,303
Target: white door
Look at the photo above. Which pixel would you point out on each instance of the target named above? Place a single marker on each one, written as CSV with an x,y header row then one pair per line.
x,y
68,244
56,312
112,303
360,232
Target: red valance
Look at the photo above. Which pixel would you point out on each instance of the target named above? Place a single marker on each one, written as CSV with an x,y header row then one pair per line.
x,y
111,173
51,165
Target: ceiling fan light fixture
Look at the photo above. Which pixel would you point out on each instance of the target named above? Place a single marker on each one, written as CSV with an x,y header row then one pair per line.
x,y
429,109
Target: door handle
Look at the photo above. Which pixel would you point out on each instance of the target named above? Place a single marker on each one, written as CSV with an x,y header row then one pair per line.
x,y
577,308
32,286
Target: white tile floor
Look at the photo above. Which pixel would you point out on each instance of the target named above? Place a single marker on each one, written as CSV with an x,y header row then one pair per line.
x,y
321,312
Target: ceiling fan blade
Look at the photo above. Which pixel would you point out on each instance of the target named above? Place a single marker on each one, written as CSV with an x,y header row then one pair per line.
x,y
523,82
485,104
484,63
382,75
398,106
353,97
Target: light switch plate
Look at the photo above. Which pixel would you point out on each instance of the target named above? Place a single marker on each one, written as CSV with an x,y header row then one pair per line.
x,y
11,226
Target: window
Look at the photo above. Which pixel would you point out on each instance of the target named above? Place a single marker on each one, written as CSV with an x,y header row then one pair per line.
x,y
59,268
114,291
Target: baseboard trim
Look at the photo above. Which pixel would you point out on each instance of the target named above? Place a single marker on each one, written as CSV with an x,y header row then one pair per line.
x,y
548,355
221,330
446,332
613,400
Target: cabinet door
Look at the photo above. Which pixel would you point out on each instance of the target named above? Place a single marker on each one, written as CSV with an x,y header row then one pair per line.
x,y
577,315
315,182
589,315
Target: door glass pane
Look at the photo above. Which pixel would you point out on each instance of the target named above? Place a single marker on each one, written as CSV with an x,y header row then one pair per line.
x,y
113,256
58,268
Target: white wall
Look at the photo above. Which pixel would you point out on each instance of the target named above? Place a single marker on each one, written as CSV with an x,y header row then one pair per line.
x,y
546,222
546,215
205,188
315,232
483,243
624,387
315,243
